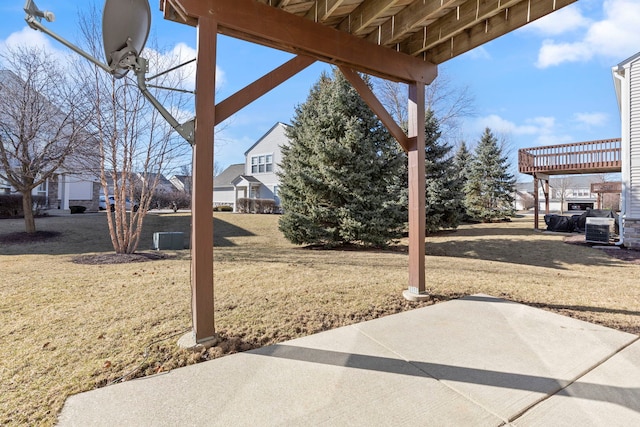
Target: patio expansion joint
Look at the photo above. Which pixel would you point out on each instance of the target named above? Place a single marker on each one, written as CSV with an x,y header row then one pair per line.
x,y
464,396
577,378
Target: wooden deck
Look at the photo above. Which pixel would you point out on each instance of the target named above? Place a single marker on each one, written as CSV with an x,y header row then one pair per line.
x,y
603,156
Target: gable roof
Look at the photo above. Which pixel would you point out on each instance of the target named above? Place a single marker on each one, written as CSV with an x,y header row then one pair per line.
x,y
227,176
284,125
250,179
181,182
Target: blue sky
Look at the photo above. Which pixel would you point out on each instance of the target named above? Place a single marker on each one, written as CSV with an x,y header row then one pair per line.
x,y
547,83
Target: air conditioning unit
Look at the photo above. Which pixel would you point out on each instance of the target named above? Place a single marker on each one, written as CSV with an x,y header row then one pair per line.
x,y
599,230
168,240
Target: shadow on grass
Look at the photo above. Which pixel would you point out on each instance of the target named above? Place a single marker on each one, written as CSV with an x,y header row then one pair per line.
x,y
79,234
549,254
223,230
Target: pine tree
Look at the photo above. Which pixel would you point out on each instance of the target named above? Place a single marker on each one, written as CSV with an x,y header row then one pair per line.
x,y
490,187
339,175
463,160
444,201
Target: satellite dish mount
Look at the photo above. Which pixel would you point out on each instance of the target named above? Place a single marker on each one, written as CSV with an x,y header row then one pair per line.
x,y
125,28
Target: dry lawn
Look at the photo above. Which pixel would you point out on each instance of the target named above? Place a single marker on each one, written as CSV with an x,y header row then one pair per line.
x,y
69,327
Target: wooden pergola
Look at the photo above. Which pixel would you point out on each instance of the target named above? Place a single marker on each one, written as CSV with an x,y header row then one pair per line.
x,y
398,40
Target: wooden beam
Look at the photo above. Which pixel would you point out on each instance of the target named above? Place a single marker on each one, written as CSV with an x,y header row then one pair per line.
x,y
417,211
442,45
323,9
263,24
417,14
363,15
255,90
376,106
202,203
456,21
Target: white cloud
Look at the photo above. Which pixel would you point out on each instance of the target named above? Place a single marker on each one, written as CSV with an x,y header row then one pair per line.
x,y
591,119
535,126
616,37
565,20
29,38
180,54
538,130
479,52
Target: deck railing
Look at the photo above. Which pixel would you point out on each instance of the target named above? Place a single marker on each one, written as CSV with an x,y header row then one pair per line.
x,y
589,157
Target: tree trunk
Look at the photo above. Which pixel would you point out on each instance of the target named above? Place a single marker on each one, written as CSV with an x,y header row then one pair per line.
x,y
27,209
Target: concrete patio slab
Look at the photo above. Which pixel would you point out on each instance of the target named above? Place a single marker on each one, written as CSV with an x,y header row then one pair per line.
x,y
607,396
470,362
502,355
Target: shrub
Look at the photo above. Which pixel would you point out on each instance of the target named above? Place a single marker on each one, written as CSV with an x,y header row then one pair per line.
x,y
223,208
257,206
165,200
11,205
76,209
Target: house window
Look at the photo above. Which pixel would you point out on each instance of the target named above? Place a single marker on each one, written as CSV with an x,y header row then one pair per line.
x,y
262,163
42,189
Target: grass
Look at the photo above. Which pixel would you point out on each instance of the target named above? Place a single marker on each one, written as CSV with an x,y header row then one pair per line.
x,y
68,327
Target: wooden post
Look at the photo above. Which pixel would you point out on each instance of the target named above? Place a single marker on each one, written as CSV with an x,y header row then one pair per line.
x,y
546,196
536,201
202,203
416,155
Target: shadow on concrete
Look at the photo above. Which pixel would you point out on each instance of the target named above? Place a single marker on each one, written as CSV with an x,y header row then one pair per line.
x,y
627,397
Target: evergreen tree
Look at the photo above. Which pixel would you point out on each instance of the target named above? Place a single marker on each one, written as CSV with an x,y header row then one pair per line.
x,y
490,187
444,200
463,160
339,175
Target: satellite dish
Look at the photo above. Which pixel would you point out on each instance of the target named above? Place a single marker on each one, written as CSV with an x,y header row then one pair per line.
x,y
125,28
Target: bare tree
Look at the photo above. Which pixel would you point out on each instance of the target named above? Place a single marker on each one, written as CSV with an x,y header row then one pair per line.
x,y
448,102
135,142
42,119
561,187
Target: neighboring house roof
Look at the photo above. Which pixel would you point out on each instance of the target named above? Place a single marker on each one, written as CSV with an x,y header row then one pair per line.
x,y
247,178
180,182
265,134
163,183
84,159
226,177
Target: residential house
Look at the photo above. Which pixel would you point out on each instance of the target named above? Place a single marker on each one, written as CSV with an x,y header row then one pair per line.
x,y
71,184
257,177
566,194
163,186
626,79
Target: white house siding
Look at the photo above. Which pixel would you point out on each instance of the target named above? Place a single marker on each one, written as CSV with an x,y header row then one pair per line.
x,y
627,85
632,221
268,145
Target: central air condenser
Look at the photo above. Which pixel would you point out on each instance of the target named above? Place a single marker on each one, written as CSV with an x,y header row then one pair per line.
x,y
599,230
